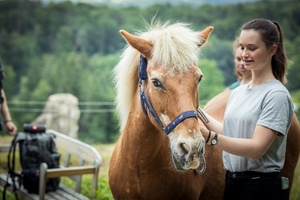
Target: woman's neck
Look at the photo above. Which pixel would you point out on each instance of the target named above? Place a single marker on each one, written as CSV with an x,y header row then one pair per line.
x,y
260,77
246,78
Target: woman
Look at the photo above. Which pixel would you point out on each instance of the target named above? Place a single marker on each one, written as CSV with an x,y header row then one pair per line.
x,y
244,76
11,129
257,118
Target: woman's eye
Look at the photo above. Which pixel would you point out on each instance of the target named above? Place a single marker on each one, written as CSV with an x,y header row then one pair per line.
x,y
156,83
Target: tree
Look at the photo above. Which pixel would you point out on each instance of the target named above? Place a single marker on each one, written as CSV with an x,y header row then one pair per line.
x,y
293,76
72,48
221,52
213,81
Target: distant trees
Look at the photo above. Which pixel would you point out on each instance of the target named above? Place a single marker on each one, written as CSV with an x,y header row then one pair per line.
x,y
72,48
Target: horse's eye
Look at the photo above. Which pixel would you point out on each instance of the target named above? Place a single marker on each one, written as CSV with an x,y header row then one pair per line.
x,y
200,79
156,83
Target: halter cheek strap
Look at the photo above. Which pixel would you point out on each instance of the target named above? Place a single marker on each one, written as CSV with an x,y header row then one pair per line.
x,y
144,100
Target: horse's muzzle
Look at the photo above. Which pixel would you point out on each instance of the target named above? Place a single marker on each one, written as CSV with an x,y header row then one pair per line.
x,y
190,159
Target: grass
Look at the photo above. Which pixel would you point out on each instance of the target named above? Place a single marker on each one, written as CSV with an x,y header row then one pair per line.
x,y
103,192
295,193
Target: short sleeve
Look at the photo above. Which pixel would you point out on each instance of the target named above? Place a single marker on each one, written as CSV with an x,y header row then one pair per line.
x,y
277,112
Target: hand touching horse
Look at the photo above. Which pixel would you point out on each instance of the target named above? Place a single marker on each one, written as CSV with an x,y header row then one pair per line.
x,y
147,164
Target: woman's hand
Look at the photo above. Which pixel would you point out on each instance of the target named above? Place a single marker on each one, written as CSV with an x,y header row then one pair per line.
x,y
11,129
204,132
210,122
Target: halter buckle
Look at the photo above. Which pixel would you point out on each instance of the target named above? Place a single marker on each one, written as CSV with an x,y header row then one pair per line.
x,y
141,88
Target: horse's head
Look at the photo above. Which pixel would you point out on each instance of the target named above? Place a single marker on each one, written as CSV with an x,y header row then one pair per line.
x,y
171,86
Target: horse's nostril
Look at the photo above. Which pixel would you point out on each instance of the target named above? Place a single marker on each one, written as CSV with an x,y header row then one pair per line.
x,y
183,149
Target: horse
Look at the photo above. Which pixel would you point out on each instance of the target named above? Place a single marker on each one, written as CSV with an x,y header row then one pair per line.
x,y
159,69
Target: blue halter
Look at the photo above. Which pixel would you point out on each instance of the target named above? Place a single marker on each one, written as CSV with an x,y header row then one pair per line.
x,y
144,100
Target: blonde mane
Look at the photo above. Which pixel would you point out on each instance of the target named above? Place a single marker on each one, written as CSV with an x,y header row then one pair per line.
x,y
175,46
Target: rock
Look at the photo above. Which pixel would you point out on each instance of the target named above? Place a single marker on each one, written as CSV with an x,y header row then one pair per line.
x,y
61,114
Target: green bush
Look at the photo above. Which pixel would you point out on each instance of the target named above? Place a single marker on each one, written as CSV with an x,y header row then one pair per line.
x,y
103,192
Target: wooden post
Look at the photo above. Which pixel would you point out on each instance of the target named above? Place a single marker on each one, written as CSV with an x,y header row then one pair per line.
x,y
42,183
97,164
79,178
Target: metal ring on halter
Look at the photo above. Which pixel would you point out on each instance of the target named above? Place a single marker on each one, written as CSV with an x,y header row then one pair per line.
x,y
203,165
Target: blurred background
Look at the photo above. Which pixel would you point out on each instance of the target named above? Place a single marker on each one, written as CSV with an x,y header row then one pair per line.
x,y
50,46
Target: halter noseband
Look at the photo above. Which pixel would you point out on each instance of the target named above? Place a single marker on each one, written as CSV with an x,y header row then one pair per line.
x,y
144,100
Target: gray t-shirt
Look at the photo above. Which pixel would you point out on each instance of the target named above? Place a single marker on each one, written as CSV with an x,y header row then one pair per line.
x,y
269,105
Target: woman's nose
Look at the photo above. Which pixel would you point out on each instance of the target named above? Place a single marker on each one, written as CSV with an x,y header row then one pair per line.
x,y
243,54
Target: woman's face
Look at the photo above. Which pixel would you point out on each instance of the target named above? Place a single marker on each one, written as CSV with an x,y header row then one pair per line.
x,y
253,51
239,63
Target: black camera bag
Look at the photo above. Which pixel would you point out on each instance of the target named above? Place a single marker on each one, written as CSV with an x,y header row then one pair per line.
x,y
35,148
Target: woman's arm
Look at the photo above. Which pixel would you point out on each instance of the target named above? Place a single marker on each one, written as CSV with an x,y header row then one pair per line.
x,y
10,126
251,148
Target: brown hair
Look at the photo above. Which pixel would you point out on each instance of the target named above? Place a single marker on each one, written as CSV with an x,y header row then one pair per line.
x,y
235,46
271,33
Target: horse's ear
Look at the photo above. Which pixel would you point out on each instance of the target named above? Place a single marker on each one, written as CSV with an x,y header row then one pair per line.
x,y
143,46
205,34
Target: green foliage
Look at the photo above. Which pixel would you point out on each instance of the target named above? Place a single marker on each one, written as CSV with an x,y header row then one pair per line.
x,y
295,193
72,48
293,71
213,81
296,99
221,52
90,80
9,81
102,193
9,196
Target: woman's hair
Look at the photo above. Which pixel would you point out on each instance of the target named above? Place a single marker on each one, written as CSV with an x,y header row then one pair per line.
x,y
235,46
271,33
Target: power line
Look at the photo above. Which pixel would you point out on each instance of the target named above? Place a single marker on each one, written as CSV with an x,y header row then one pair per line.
x,y
84,103
87,103
82,111
56,110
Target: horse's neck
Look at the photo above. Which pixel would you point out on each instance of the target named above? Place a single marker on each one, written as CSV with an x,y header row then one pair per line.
x,y
143,142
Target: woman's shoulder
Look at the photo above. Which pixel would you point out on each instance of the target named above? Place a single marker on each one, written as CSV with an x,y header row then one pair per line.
x,y
277,91
277,86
